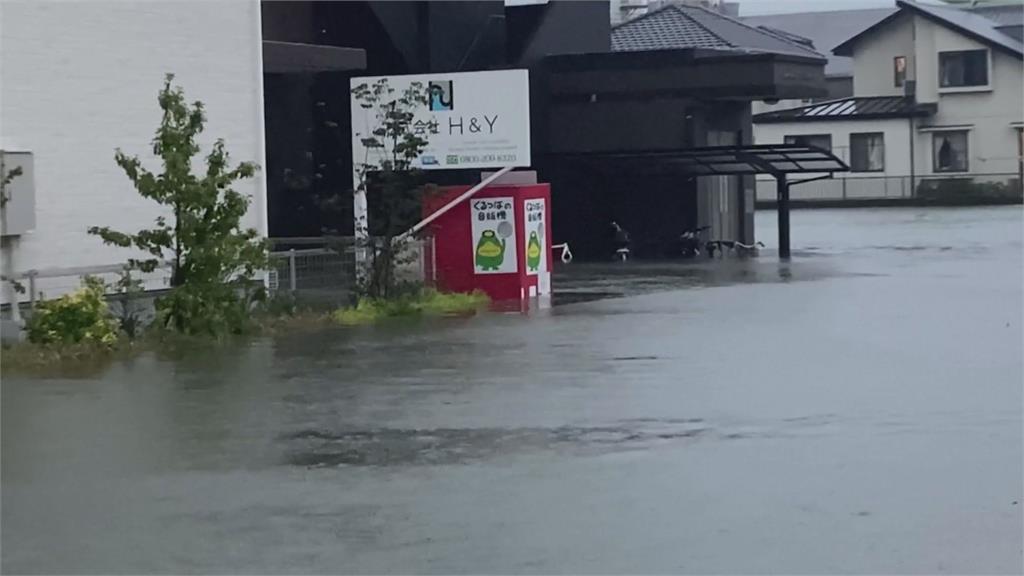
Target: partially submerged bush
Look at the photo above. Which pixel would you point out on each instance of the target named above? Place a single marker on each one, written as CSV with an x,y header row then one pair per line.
x,y
425,302
212,310
81,317
965,190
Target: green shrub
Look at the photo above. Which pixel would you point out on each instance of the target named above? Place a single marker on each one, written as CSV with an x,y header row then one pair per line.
x,y
81,317
434,302
965,189
211,310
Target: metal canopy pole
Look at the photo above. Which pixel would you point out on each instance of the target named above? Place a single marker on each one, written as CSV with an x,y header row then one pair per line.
x,y
783,208
455,202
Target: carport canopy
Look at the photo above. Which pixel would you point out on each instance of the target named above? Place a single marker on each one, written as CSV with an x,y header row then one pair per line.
x,y
774,159
778,160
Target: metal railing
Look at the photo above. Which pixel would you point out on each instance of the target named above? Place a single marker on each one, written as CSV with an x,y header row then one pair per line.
x,y
330,263
318,266
310,268
870,187
43,283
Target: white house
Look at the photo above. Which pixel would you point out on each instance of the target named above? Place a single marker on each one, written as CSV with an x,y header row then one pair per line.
x,y
937,94
823,31
80,79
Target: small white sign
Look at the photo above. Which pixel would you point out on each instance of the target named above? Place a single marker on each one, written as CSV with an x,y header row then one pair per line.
x,y
494,244
534,242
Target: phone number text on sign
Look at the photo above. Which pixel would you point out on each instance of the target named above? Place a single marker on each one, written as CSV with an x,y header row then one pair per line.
x,y
455,160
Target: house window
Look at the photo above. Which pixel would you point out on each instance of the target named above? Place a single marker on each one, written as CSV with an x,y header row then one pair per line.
x,y
867,152
963,68
899,71
823,141
949,151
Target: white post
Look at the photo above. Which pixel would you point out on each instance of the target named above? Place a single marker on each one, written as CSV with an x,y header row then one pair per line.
x,y
10,294
291,270
32,289
360,224
260,203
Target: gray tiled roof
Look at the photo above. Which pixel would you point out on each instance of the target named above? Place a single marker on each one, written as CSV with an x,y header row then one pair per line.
x,y
826,30
675,27
1002,15
966,22
970,22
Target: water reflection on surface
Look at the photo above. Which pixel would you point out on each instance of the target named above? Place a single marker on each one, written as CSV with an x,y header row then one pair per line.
x,y
856,410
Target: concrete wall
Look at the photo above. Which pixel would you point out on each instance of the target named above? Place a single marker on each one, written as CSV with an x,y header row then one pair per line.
x,y
466,35
81,79
564,27
725,203
289,21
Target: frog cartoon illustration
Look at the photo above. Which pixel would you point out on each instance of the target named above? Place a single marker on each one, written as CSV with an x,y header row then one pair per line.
x,y
533,252
490,252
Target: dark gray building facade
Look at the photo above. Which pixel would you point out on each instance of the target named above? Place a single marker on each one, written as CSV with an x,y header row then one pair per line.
x,y
596,93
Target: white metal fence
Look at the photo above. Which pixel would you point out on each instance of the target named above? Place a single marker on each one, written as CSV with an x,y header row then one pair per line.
x,y
319,267
330,263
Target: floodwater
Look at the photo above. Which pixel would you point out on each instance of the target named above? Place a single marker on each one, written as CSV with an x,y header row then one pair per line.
x,y
855,411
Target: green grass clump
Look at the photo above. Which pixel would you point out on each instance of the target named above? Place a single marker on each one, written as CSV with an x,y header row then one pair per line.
x,y
429,302
33,359
434,302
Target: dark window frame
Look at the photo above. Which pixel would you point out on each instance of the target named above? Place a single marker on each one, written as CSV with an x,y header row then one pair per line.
x,y
854,164
936,148
969,79
799,139
899,77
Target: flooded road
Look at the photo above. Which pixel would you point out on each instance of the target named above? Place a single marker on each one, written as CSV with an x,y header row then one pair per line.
x,y
857,410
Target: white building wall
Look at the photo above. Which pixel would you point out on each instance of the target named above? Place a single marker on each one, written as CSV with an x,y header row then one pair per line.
x,y
81,79
990,111
925,66
896,136
873,72
894,181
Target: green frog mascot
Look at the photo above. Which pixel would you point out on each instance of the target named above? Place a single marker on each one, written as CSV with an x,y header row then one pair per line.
x,y
490,252
533,252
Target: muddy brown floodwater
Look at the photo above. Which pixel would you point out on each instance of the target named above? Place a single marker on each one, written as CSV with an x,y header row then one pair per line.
x,y
857,410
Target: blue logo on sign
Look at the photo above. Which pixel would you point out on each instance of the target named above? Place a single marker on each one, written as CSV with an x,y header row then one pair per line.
x,y
442,99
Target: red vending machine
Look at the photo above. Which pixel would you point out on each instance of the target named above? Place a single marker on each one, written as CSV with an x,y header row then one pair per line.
x,y
497,241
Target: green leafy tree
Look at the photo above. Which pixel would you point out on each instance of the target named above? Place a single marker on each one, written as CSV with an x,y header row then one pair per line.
x,y
210,254
387,176
6,177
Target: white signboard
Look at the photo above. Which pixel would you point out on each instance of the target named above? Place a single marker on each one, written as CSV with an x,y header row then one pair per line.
x,y
472,120
534,242
494,244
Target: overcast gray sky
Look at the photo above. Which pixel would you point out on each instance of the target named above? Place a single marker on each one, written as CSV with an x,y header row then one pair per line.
x,y
754,7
